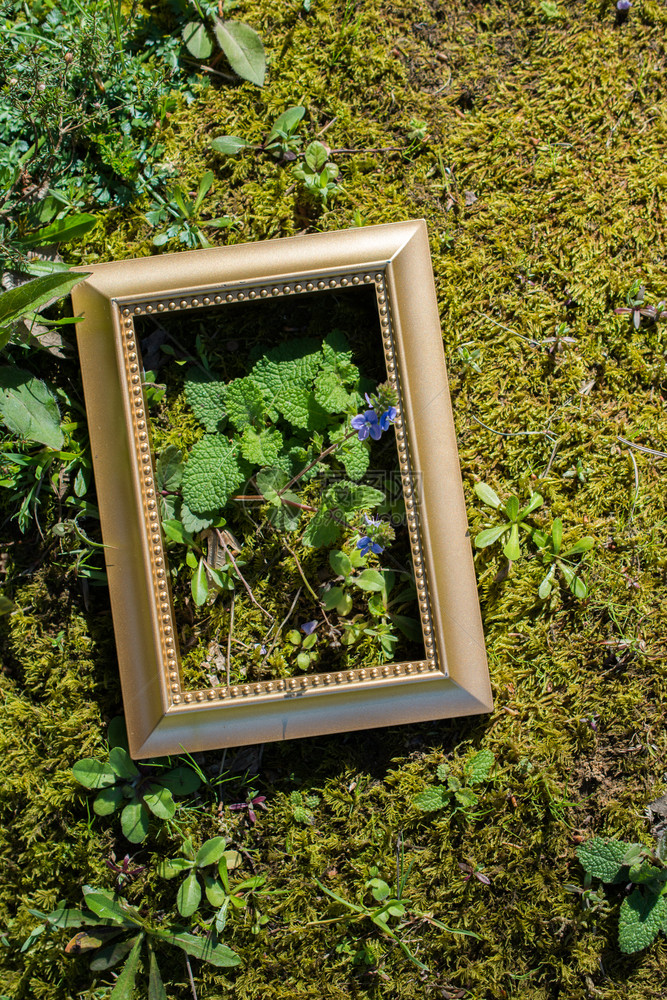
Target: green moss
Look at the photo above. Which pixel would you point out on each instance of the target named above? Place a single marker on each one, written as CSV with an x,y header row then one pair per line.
x,y
557,131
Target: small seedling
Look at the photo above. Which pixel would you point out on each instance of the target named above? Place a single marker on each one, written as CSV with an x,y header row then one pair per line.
x,y
557,561
636,306
643,913
282,141
301,806
212,852
318,173
454,794
508,531
184,213
143,791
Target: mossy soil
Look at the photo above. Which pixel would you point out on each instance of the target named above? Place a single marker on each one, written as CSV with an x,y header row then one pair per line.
x,y
543,182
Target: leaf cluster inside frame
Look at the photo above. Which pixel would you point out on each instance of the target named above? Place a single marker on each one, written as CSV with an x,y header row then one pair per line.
x,y
280,492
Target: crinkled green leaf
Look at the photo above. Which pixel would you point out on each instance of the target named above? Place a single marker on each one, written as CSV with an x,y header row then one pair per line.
x,y
286,376
603,858
206,396
345,497
432,799
479,767
211,475
245,402
641,917
323,529
94,773
169,468
353,454
263,447
243,48
330,392
195,523
29,408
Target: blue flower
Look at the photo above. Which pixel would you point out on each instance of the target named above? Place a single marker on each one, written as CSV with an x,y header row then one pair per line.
x,y
309,627
366,544
388,418
367,424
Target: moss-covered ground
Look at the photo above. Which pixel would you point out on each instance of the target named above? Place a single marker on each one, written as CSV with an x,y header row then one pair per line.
x,y
542,178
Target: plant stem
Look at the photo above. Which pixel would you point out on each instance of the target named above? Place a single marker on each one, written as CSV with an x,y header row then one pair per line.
x,y
323,454
192,982
240,575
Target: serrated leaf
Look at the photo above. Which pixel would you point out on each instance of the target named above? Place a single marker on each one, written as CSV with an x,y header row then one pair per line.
x,y
180,780
122,764
487,495
211,475
29,408
263,447
641,917
245,402
603,858
286,376
243,48
134,822
169,468
330,392
442,771
160,802
194,523
286,517
229,145
347,498
432,799
645,872
197,39
189,896
217,954
206,396
94,773
322,530
108,800
479,767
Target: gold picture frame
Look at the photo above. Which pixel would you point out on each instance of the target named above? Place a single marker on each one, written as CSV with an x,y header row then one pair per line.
x,y
163,718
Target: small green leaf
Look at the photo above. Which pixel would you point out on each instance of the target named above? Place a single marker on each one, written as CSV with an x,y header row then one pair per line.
x,y
219,954
104,905
199,584
215,892
180,780
156,990
94,773
489,536
641,917
546,586
243,48
340,563
189,896
512,508
557,535
32,296
171,867
316,155
174,530
229,145
134,822
121,762
124,987
602,858
487,495
286,122
61,231
29,408
583,545
512,549
210,852
303,661
574,581
432,799
534,502
479,767
160,802
332,598
108,800
370,580
197,40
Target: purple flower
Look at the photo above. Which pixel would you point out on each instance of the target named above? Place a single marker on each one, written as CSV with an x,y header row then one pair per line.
x,y
372,521
367,423
309,627
366,544
623,5
388,418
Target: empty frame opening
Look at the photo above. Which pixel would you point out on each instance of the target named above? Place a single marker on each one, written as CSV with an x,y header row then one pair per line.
x,y
280,491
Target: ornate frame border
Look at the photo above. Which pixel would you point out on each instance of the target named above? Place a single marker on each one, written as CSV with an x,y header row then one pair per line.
x,y
163,718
